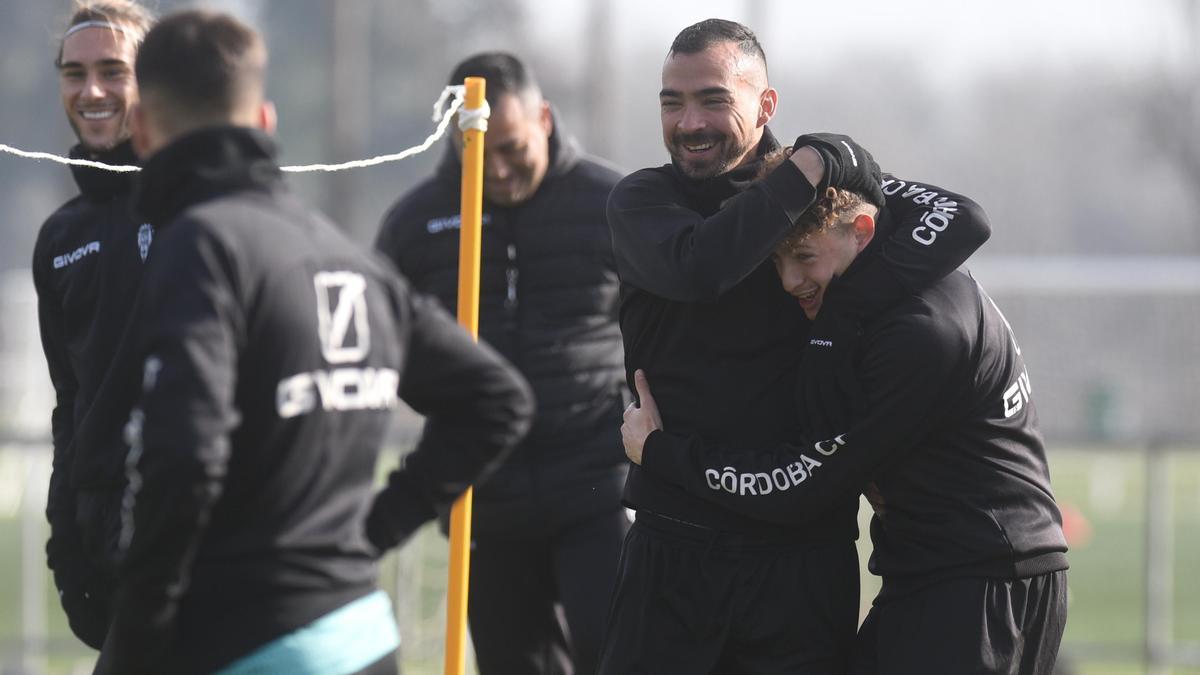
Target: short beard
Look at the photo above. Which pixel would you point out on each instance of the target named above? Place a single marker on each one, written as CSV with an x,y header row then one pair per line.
x,y
718,168
122,136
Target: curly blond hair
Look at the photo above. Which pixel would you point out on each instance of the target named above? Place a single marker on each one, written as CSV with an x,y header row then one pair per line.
x,y
833,209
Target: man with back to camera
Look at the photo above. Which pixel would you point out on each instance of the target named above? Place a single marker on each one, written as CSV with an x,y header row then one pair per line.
x,y
701,587
275,350
927,409
548,525
87,267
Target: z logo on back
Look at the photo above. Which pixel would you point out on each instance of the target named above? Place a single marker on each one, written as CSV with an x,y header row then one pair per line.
x,y
344,333
342,316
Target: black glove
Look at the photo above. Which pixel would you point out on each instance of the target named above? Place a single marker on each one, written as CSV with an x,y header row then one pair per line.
x,y
88,612
848,165
85,596
396,514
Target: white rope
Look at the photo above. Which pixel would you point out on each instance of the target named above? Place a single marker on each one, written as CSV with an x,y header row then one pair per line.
x,y
468,118
441,115
64,160
443,120
474,118
458,91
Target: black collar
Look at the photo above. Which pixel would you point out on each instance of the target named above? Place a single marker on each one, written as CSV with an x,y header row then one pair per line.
x,y
204,164
100,185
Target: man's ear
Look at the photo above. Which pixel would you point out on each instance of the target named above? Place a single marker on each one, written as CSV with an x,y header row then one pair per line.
x,y
545,118
864,230
268,117
767,101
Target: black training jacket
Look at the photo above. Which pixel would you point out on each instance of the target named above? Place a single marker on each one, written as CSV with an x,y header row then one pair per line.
x,y
548,303
703,313
275,351
928,409
87,268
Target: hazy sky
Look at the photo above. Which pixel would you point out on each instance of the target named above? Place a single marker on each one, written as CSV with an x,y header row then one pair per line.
x,y
944,36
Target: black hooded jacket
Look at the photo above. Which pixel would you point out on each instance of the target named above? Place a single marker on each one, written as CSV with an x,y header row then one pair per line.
x,y
548,303
928,408
276,350
703,312
87,269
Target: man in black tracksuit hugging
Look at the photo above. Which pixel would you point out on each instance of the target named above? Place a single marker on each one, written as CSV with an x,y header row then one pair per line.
x,y
275,351
702,587
926,408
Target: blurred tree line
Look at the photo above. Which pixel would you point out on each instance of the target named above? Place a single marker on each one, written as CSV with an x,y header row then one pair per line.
x,y
1078,159
1085,157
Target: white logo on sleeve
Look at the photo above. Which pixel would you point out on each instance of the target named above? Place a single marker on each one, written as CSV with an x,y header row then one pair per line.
x,y
1017,395
453,222
778,479
61,261
853,157
342,316
934,221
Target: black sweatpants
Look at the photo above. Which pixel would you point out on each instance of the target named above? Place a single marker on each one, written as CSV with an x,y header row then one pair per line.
x,y
972,625
691,600
523,591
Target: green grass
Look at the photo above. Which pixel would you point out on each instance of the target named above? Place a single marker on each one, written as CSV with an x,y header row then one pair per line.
x,y
1106,584
1107,594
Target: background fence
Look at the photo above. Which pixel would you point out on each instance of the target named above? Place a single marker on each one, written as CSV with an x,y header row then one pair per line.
x,y
1134,595
1113,359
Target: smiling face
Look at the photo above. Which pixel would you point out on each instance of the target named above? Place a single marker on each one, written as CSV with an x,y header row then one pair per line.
x,y
98,89
516,149
806,267
714,104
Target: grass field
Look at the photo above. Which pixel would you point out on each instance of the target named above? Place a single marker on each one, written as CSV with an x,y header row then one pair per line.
x,y
1104,632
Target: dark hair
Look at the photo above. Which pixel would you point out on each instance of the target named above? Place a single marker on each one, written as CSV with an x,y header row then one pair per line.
x,y
505,74
133,19
700,36
200,65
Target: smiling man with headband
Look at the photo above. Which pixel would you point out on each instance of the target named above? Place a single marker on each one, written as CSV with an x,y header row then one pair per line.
x,y
87,268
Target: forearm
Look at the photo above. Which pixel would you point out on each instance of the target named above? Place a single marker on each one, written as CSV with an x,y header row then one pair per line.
x,y
784,484
477,408
933,233
665,247
908,374
166,509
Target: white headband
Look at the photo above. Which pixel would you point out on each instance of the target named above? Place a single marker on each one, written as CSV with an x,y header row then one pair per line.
x,y
93,24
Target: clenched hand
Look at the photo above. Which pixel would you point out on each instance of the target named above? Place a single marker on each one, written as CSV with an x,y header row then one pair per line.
x,y
639,420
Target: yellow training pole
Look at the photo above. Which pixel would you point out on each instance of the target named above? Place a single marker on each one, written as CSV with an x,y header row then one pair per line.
x,y
468,316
